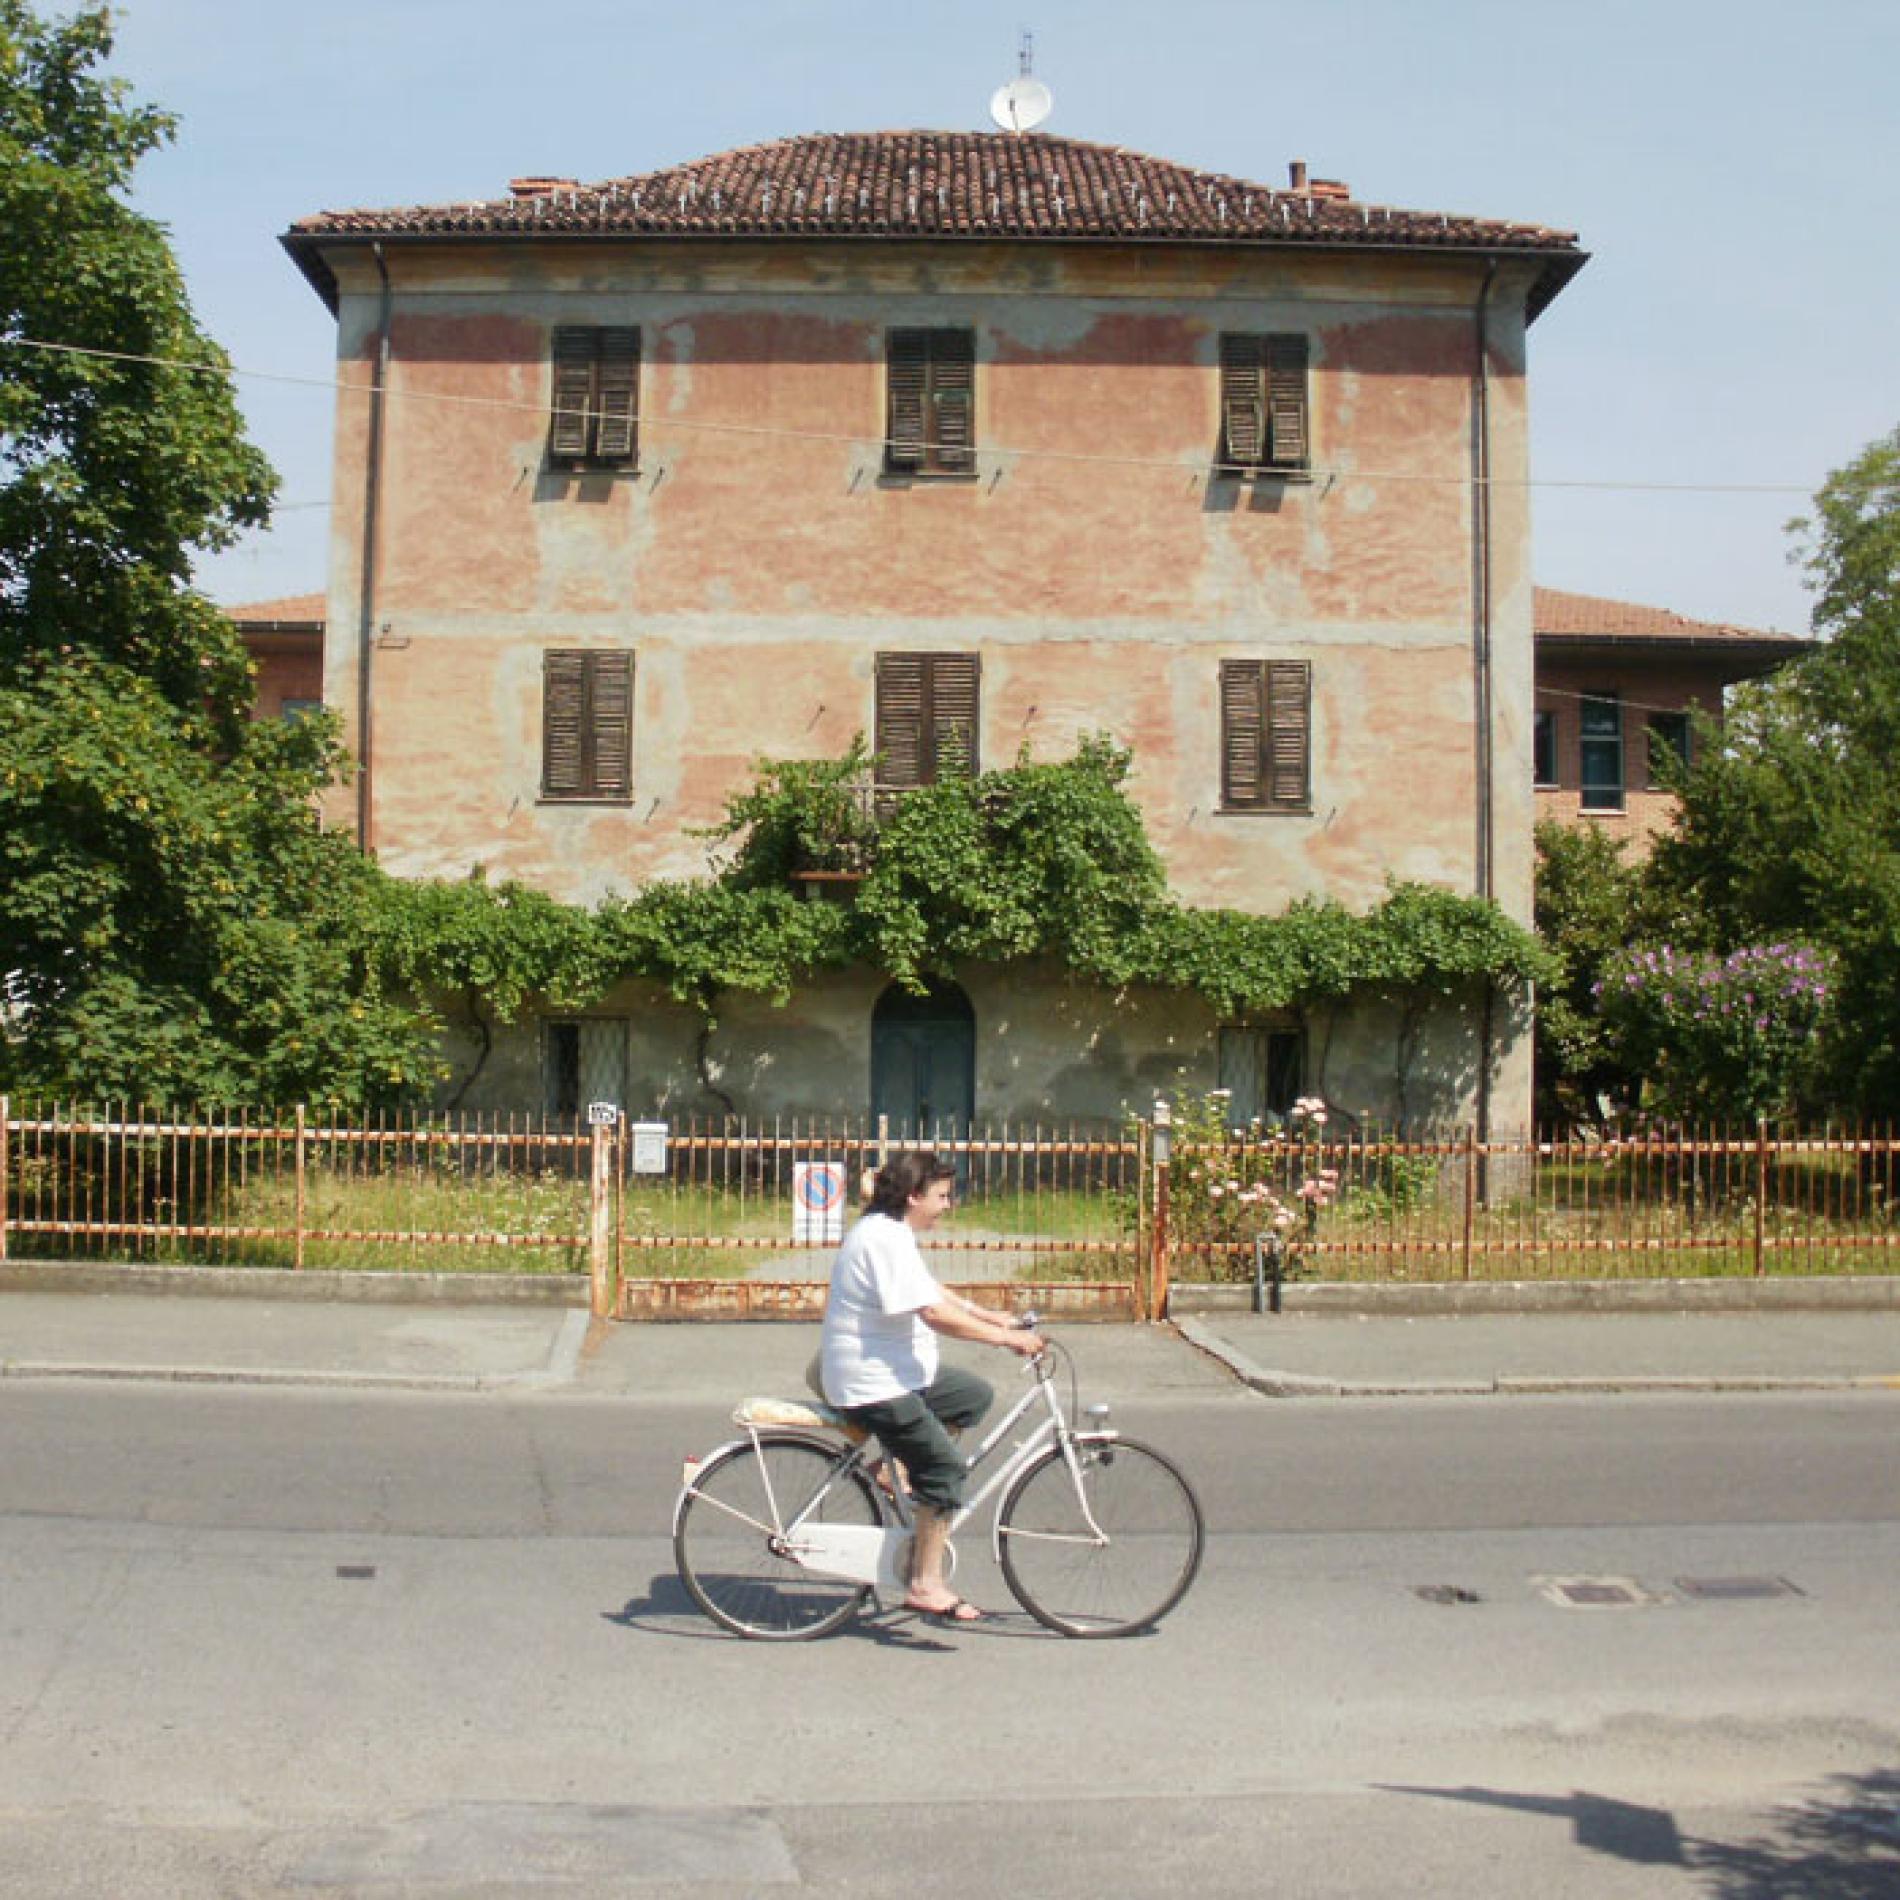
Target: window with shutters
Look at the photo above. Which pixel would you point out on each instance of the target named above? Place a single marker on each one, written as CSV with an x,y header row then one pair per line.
x,y
927,718
1265,735
1264,422
930,418
596,399
586,725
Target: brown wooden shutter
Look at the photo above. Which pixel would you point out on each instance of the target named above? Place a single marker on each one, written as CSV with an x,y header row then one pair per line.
x,y
1289,726
1242,401
563,725
611,724
618,399
570,429
953,398
953,689
1242,734
907,368
900,721
1286,401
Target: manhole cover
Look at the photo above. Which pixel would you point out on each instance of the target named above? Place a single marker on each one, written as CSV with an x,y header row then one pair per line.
x,y
1445,1593
1735,1589
1595,1593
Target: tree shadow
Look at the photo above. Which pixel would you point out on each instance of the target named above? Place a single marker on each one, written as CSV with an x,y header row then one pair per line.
x,y
1842,1842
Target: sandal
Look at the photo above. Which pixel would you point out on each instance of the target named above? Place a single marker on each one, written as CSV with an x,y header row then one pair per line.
x,y
957,1610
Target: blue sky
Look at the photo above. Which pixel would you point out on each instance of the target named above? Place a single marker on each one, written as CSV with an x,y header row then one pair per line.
x,y
1731,167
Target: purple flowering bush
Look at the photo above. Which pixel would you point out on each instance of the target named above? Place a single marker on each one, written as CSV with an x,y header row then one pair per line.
x,y
1719,1037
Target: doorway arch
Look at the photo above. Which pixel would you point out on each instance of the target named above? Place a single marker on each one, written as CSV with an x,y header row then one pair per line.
x,y
923,1063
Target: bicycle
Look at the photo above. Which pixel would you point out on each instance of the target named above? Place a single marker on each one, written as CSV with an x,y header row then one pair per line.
x,y
784,1535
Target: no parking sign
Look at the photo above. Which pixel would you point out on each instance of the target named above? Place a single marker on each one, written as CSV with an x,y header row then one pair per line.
x,y
817,1200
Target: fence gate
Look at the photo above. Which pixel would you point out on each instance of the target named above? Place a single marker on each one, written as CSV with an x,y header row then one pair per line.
x,y
740,1219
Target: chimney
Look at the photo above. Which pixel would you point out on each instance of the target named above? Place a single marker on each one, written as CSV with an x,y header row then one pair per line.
x,y
541,187
1296,174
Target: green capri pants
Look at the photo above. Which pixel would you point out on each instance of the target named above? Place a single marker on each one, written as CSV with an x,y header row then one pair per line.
x,y
912,1428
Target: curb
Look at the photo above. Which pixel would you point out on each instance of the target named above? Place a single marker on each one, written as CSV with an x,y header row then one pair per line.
x,y
1389,1298
562,1370
369,1287
1297,1385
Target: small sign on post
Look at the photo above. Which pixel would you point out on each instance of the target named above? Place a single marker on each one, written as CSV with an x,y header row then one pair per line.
x,y
602,1114
649,1147
817,1200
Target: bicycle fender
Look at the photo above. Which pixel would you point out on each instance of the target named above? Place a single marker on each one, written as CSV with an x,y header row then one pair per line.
x,y
694,1466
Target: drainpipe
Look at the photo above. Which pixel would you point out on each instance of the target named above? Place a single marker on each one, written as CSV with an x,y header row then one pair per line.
x,y
372,499
1481,663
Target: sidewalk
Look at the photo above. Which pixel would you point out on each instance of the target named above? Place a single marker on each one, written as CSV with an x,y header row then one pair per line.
x,y
256,1330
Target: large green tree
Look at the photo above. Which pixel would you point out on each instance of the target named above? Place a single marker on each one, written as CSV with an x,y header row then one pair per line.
x,y
1790,822
174,922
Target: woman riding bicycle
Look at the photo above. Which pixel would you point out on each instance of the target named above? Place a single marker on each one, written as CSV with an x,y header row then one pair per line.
x,y
879,1362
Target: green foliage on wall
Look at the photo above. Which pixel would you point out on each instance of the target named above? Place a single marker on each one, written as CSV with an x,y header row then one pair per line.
x,y
1039,860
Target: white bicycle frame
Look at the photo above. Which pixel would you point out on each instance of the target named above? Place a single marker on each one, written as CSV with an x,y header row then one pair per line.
x,y
874,1554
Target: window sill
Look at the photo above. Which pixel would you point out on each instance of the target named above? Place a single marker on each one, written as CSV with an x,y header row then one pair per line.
x,y
1233,472
1263,811
622,799
895,477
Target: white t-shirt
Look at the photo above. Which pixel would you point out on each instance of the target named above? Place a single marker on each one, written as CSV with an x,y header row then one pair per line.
x,y
874,1345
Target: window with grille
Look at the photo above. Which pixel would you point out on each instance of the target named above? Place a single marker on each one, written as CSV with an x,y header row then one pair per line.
x,y
930,382
595,417
1264,405
927,717
586,725
1600,752
1262,1070
1266,735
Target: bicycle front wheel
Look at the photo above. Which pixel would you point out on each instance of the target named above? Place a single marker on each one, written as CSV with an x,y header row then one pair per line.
x,y
1105,1547
727,1539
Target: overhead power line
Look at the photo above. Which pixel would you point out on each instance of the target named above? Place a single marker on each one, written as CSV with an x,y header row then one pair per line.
x,y
996,453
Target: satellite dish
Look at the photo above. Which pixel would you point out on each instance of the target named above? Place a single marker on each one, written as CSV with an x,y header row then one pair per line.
x,y
1022,105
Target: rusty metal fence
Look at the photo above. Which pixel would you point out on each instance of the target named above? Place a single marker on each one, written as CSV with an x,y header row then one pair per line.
x,y
703,1222
704,1217
1658,1203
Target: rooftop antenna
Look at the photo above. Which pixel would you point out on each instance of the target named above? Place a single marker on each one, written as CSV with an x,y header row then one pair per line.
x,y
1024,103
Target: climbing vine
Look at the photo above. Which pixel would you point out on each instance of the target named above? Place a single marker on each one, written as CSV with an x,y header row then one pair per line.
x,y
1045,860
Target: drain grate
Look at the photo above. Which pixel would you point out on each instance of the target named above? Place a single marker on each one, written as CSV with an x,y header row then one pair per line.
x,y
356,1573
1595,1593
1737,1589
1449,1593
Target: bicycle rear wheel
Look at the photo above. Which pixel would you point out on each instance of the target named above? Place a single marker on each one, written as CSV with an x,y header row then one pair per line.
x,y
1105,1549
724,1540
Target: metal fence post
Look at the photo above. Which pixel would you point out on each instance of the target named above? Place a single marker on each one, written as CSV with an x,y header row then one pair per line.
x,y
6,1174
1761,1195
600,1263
1163,1148
1471,1191
302,1191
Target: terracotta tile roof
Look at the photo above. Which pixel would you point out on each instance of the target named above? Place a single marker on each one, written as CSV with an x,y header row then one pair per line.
x,y
945,185
1591,617
300,610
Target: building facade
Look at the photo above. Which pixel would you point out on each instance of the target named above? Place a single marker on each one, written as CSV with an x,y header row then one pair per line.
x,y
972,444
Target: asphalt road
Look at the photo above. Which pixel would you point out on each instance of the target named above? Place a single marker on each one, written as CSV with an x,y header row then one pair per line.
x,y
264,1641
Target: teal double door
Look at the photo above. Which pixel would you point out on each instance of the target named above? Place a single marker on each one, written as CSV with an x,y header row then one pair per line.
x,y
923,1063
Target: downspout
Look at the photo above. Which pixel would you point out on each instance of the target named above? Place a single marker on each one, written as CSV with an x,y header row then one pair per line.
x,y
1481,667
372,501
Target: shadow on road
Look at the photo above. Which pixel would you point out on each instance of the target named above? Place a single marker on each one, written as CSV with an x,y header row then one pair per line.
x,y
1842,1842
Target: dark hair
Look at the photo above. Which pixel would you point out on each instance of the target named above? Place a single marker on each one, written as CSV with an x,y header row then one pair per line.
x,y
905,1175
